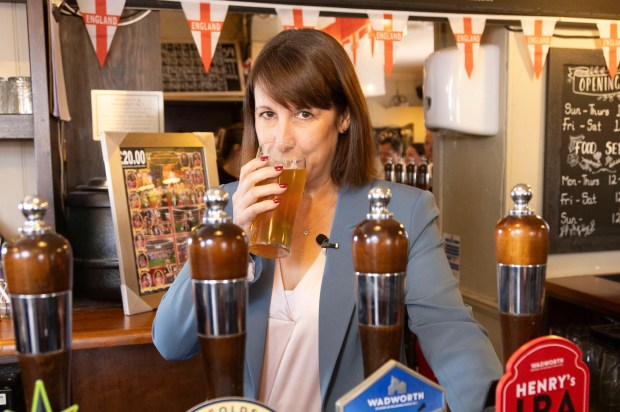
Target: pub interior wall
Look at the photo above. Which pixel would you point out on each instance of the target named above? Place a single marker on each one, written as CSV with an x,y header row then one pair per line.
x,y
493,164
525,147
17,171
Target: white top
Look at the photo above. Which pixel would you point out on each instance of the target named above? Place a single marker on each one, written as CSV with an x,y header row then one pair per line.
x,y
290,378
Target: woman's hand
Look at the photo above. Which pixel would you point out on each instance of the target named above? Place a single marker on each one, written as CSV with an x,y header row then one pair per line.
x,y
253,196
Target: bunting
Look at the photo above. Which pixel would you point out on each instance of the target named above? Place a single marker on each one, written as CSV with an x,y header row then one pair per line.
x,y
538,33
388,29
383,31
355,35
298,18
205,22
608,32
101,18
467,33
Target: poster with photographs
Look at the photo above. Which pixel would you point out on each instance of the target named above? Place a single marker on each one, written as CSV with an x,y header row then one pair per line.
x,y
158,182
165,187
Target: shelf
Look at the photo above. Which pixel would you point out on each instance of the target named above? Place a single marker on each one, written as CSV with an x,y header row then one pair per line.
x,y
16,126
203,96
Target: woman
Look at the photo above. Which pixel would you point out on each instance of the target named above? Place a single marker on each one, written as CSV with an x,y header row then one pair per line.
x,y
303,346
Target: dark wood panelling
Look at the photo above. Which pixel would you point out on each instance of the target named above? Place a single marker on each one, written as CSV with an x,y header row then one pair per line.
x,y
133,63
135,378
44,126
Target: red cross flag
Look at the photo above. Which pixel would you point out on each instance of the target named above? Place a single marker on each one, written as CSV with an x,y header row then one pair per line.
x,y
467,33
538,32
298,18
101,18
205,22
608,32
388,29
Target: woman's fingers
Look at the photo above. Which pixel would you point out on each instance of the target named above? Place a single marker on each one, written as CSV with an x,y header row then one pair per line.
x,y
255,192
245,216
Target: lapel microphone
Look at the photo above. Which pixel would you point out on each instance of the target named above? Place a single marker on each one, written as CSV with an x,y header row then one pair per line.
x,y
323,241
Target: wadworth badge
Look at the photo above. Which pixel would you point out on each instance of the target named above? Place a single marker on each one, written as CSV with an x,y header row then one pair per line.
x,y
394,387
545,374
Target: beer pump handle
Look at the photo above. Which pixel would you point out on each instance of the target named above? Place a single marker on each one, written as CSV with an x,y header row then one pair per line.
x,y
521,247
522,237
218,255
39,273
379,249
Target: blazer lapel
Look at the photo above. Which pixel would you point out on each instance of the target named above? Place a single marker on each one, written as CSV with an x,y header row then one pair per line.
x,y
257,318
337,304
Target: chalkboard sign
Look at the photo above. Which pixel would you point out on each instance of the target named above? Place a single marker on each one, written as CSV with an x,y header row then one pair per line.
x,y
582,153
183,71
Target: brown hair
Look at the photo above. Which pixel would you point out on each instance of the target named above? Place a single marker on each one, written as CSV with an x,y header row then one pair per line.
x,y
307,68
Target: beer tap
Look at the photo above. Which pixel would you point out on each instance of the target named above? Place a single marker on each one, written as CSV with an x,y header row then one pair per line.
x,y
521,247
39,273
380,245
218,254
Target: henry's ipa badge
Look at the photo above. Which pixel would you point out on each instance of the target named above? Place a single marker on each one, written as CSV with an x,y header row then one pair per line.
x,y
544,375
394,387
231,404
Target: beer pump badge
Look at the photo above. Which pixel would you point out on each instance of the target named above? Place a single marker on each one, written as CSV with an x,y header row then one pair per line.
x,y
394,387
231,404
545,374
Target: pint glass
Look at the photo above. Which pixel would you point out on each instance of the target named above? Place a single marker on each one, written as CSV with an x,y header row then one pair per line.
x,y
271,232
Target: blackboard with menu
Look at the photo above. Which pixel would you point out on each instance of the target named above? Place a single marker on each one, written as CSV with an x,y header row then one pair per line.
x,y
582,153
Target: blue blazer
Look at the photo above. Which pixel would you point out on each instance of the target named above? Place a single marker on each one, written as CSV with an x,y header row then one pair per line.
x,y
454,344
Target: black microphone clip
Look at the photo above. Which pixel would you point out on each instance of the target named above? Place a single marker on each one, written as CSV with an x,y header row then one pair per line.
x,y
323,241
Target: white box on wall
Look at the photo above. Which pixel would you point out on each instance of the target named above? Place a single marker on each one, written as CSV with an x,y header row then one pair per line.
x,y
455,102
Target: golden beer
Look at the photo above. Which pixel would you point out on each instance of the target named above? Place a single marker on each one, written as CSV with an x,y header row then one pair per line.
x,y
271,232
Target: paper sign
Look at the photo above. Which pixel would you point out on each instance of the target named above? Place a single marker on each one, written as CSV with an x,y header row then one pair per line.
x,y
101,18
389,30
126,111
467,33
545,374
610,42
452,246
298,18
205,22
538,33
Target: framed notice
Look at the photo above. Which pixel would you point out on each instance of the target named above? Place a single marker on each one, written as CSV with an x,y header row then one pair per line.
x,y
126,111
157,183
582,152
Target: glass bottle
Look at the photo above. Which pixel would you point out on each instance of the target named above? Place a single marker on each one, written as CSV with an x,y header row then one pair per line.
x,y
39,273
411,171
422,175
218,256
379,248
388,168
399,175
521,248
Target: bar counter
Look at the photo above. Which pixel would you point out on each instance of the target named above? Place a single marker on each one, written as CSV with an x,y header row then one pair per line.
x,y
115,365
598,294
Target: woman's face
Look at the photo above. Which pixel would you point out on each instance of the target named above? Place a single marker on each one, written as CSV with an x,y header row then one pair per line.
x,y
314,131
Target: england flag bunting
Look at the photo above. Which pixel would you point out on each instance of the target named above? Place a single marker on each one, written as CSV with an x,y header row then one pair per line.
x,y
388,30
610,42
101,18
467,32
205,22
538,32
298,18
